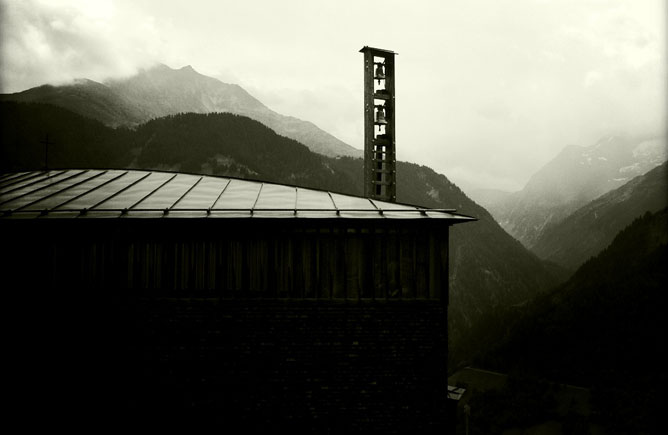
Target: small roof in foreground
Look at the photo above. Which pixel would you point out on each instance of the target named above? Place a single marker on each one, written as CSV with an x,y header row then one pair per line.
x,y
455,393
95,193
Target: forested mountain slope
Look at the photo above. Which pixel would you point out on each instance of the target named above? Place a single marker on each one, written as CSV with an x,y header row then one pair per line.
x,y
604,329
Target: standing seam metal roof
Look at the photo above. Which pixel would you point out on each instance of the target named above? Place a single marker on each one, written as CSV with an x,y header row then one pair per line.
x,y
80,193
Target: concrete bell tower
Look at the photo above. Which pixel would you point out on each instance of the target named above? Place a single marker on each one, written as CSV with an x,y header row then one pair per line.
x,y
379,128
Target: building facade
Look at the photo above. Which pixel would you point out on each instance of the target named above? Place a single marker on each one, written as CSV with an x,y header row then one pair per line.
x,y
274,305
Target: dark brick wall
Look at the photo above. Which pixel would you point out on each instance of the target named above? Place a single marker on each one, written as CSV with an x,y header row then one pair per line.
x,y
299,365
325,366
291,365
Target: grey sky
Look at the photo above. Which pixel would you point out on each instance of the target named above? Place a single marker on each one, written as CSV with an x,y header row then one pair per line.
x,y
487,91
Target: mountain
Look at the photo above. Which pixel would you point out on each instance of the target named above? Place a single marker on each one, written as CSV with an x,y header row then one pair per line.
x,y
591,228
576,176
603,329
490,272
161,91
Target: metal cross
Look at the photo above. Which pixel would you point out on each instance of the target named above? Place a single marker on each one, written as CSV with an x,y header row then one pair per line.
x,y
46,152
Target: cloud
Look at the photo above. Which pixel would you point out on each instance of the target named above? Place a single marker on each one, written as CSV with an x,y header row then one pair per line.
x,y
495,111
57,41
591,78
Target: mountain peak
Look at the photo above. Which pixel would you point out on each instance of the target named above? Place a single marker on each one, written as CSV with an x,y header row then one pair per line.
x,y
159,90
157,67
85,82
161,72
163,67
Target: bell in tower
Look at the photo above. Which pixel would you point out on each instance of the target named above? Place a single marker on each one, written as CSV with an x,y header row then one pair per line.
x,y
380,114
380,73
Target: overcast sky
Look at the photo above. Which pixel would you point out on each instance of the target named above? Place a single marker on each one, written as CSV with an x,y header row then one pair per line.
x,y
487,91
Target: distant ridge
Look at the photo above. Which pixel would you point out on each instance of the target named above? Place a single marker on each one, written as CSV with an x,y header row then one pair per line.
x,y
160,91
591,228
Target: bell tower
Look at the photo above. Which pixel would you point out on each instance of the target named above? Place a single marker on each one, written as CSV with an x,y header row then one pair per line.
x,y
379,143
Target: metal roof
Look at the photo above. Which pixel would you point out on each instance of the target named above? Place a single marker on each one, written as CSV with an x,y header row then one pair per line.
x,y
374,49
94,193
